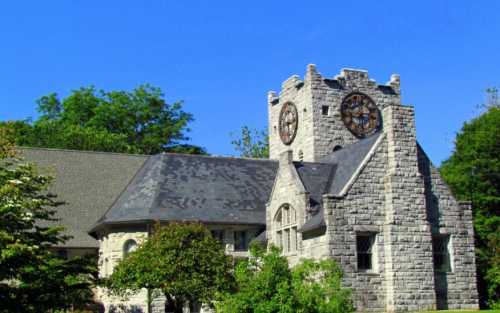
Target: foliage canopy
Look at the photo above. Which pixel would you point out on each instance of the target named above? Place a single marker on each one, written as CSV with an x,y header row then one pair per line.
x,y
473,174
32,277
251,143
137,121
182,260
266,284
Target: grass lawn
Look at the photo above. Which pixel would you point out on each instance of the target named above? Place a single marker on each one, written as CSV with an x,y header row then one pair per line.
x,y
482,311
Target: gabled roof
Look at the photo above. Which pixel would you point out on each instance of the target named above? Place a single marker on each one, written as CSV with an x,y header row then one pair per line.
x,y
347,161
196,188
88,182
332,175
316,178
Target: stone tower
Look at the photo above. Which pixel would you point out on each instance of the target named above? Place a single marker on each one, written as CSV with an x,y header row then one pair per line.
x,y
320,127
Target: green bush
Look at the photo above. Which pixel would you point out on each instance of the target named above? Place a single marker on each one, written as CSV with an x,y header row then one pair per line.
x,y
266,284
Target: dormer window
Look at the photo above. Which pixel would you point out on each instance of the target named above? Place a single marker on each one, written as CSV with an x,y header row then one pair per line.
x,y
285,227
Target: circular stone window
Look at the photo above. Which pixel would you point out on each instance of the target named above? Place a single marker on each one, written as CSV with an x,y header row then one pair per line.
x,y
288,122
360,114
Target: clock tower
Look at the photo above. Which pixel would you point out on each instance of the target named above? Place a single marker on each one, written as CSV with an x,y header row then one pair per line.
x,y
317,115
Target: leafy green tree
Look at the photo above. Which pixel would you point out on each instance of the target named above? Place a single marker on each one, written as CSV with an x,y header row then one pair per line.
x,y
32,277
139,121
266,284
473,174
182,261
251,143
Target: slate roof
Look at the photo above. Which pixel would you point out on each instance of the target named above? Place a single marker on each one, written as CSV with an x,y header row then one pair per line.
x,y
347,161
88,182
121,188
196,188
331,175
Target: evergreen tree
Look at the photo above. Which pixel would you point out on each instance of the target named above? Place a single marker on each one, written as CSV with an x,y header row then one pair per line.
x,y
32,276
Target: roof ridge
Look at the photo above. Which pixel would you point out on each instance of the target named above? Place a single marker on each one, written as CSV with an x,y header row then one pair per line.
x,y
103,216
217,157
83,151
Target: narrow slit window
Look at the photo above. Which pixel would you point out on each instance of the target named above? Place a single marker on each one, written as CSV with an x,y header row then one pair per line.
x,y
325,110
441,253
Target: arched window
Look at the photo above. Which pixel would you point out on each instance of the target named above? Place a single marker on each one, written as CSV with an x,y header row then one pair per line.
x,y
337,148
285,227
129,246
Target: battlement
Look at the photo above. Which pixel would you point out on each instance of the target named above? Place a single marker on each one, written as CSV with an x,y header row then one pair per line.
x,y
348,78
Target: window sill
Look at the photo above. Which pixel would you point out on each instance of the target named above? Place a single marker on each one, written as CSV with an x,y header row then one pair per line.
x,y
443,272
368,272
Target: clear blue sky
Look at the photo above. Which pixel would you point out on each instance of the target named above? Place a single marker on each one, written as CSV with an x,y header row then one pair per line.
x,y
222,57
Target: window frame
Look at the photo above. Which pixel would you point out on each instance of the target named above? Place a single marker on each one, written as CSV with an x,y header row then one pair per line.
x,y
370,255
444,242
127,249
245,241
219,235
285,229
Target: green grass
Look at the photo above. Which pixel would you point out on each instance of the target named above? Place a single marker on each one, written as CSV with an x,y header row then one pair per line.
x,y
482,311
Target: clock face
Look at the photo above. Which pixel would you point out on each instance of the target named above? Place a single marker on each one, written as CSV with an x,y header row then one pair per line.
x,y
360,114
288,121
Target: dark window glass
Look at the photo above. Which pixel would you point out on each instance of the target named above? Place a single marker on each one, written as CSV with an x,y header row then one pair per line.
x,y
364,247
62,253
218,234
129,246
325,109
337,148
240,240
441,253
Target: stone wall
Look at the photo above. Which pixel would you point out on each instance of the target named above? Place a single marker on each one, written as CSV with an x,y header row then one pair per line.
x,y
288,189
293,90
361,211
457,288
111,251
409,266
319,134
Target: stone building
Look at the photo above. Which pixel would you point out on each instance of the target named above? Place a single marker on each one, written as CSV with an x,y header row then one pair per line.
x,y
346,179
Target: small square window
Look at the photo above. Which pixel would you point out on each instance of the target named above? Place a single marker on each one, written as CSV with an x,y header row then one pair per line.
x,y
240,241
364,247
441,253
325,109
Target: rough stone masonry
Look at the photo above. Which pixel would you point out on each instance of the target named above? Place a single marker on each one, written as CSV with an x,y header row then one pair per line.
x,y
346,179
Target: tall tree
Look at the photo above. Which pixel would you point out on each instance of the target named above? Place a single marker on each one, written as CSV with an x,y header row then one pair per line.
x,y
32,277
183,261
137,121
473,174
251,143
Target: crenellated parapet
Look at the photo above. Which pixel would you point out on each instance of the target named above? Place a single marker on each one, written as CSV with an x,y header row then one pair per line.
x,y
318,99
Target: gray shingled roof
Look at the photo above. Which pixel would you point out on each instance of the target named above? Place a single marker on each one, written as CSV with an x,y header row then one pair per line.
x,y
196,188
331,175
316,178
347,161
88,182
116,188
